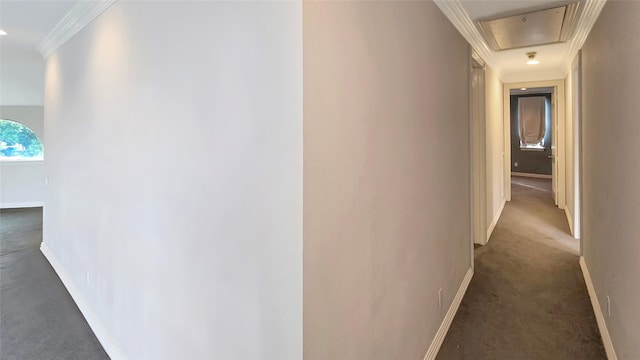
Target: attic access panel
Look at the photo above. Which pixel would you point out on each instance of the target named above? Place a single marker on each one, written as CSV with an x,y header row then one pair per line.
x,y
530,29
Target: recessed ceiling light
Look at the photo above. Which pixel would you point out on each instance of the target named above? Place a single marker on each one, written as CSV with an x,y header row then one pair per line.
x,y
2,32
532,59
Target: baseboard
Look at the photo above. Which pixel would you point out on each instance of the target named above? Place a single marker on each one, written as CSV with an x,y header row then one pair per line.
x,y
537,176
602,324
432,352
569,220
18,205
94,322
496,217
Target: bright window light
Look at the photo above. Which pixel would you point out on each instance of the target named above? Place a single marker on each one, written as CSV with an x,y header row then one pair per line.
x,y
19,143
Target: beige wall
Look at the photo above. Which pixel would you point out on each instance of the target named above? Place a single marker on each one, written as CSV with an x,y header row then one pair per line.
x,y
611,165
386,176
495,146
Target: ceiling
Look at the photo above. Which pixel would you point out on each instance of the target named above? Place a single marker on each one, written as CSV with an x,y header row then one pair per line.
x,y
511,65
28,22
21,65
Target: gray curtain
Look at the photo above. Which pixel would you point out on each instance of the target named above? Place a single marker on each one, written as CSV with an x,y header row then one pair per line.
x,y
531,117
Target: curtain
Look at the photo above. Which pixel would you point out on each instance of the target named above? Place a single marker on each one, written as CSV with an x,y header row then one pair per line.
x,y
531,117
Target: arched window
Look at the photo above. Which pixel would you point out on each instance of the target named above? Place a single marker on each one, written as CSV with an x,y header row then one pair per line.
x,y
18,142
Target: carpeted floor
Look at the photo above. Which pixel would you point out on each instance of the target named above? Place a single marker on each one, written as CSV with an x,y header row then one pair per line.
x,y
39,320
527,298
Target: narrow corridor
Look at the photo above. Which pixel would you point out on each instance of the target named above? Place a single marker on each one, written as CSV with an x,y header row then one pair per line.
x,y
527,298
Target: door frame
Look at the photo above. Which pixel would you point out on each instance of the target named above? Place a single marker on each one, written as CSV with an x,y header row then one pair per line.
x,y
478,149
558,120
576,114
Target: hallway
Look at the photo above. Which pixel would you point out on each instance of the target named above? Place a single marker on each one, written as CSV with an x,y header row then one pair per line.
x,y
527,299
39,318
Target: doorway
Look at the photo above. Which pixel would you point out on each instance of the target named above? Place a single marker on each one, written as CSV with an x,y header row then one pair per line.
x,y
478,160
532,145
557,112
565,143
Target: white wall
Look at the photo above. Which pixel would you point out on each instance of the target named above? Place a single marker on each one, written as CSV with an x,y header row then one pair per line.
x,y
22,182
569,154
386,177
611,168
174,152
495,148
22,74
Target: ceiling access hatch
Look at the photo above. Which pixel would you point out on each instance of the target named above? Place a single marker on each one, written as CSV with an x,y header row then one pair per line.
x,y
532,28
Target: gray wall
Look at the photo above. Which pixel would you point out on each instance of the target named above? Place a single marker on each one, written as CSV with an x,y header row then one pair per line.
x,y
611,169
174,151
386,177
529,161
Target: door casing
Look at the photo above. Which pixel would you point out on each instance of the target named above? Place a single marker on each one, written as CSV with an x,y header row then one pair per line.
x,y
558,143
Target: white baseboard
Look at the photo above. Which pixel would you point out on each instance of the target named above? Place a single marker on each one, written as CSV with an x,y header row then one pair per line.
x,y
496,217
602,324
537,176
432,352
569,220
94,322
19,205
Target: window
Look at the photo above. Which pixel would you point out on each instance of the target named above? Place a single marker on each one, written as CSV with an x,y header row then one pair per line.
x,y
18,142
532,119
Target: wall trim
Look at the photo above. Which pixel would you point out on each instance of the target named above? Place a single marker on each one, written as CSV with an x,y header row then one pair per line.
x,y
496,217
79,16
101,332
602,324
530,175
19,205
569,220
455,12
590,13
21,162
432,352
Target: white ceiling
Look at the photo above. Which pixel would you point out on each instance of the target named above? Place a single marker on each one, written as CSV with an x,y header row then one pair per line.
x,y
28,22
21,65
511,64
514,62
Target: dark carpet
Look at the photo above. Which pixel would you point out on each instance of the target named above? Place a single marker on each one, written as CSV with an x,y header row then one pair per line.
x,y
39,320
527,298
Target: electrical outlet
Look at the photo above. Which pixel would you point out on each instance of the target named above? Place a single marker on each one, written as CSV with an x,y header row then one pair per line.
x,y
46,181
515,164
440,298
608,306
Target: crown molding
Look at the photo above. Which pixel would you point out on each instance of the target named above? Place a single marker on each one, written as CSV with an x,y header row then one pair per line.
x,y
455,12
592,9
458,16
80,15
